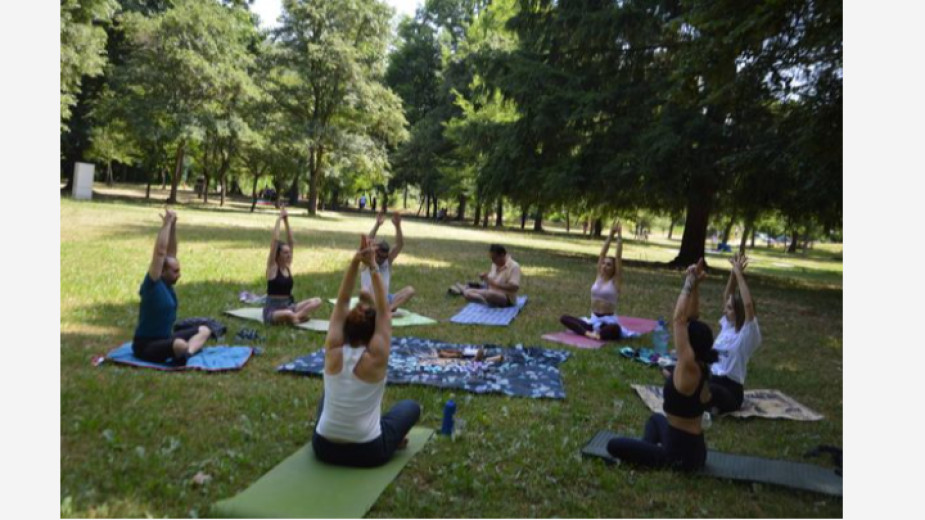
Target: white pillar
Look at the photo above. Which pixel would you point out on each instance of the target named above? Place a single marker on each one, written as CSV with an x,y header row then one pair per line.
x,y
83,181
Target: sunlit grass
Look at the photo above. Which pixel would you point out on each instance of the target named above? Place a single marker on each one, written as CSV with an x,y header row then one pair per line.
x,y
131,440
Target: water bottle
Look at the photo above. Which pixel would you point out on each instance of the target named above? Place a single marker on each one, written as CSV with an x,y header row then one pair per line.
x,y
449,410
660,338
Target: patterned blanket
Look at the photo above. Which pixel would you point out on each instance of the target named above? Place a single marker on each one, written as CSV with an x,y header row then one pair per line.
x,y
523,371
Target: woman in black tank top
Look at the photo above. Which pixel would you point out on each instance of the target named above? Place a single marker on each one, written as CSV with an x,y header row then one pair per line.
x,y
676,439
281,306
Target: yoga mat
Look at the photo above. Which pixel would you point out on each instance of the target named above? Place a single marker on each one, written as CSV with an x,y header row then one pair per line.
x,y
479,314
256,314
209,359
410,318
767,404
570,338
524,372
301,486
795,475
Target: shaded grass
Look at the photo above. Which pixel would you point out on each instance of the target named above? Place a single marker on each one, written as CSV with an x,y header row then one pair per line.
x,y
131,440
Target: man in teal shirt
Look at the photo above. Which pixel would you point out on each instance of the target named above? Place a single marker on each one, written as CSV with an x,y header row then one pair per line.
x,y
155,339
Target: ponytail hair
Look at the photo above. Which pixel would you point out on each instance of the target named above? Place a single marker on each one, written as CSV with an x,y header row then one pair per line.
x,y
701,338
360,325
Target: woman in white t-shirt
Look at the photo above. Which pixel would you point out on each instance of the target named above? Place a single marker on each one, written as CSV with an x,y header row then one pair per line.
x,y
738,339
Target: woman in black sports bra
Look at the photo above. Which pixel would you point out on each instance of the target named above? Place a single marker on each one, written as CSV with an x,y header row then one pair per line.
x,y
280,306
675,439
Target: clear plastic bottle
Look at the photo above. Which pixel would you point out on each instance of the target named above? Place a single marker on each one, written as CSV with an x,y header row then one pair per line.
x,y
660,338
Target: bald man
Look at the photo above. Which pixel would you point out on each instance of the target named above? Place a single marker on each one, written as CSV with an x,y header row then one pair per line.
x,y
154,338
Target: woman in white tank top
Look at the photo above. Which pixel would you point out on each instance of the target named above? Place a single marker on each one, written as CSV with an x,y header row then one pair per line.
x,y
602,324
351,430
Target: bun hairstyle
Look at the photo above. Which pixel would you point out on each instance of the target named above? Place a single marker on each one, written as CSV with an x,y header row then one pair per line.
x,y
701,338
360,325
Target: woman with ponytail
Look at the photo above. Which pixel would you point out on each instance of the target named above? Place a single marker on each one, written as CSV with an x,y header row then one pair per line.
x,y
676,439
351,430
280,306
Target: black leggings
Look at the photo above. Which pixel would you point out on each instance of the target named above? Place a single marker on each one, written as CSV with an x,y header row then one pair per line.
x,y
159,350
580,326
728,395
662,445
395,426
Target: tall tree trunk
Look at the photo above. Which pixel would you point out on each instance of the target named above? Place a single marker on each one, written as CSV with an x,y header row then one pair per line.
x,y
148,189
436,201
254,192
695,229
109,181
793,241
164,179
485,216
744,241
178,167
523,216
754,228
598,227
728,230
221,194
406,197
568,224
478,211
427,203
499,213
538,221
671,227
206,183
461,207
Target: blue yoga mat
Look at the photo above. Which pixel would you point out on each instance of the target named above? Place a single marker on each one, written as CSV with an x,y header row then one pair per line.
x,y
479,314
209,359
524,371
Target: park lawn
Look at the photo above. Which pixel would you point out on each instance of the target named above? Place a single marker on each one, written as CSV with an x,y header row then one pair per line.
x,y
131,440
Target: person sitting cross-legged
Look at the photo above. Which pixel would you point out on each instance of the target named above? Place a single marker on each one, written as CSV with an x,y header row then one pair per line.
x,y
351,430
501,282
385,259
155,340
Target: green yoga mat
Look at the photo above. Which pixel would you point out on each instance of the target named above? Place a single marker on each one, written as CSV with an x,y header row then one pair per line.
x,y
256,314
303,487
795,475
410,318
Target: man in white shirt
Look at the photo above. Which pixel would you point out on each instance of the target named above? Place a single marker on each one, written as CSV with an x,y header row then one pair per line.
x,y
385,257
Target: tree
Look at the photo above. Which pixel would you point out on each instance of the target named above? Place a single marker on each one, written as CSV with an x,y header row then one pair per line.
x,y
83,46
329,63
181,63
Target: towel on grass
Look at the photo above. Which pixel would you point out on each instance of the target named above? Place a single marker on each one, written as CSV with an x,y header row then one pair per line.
x,y
480,314
404,318
524,371
767,404
209,359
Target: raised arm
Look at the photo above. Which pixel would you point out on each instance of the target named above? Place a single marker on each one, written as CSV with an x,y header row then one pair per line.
x,y
271,258
685,375
399,238
380,219
699,271
730,285
380,344
606,247
618,261
738,269
335,337
161,245
172,241
283,214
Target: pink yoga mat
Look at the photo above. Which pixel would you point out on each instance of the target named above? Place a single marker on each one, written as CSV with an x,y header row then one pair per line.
x,y
570,338
638,325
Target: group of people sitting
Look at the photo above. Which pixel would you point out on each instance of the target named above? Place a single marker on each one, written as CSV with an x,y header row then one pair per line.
x,y
351,431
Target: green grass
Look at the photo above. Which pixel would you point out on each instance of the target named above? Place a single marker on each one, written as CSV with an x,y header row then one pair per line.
x,y
131,440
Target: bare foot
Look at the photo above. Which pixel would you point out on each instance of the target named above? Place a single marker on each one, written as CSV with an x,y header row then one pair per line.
x,y
593,335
